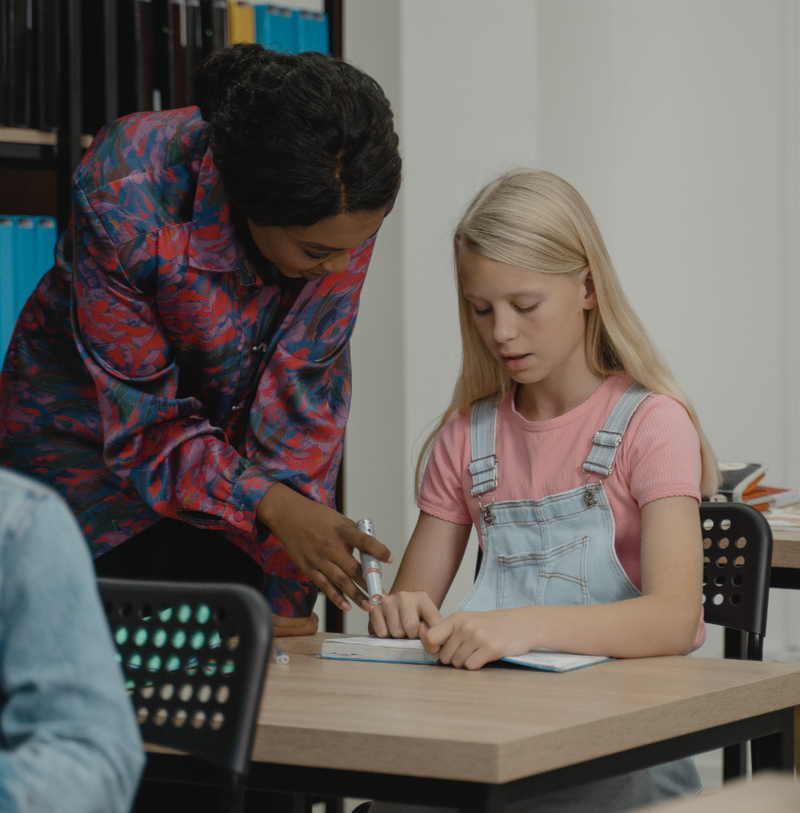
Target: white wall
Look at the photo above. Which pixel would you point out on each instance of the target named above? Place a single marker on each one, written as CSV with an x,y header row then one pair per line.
x,y
679,122
463,92
668,117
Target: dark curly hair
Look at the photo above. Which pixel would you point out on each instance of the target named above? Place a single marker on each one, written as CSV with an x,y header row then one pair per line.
x,y
297,137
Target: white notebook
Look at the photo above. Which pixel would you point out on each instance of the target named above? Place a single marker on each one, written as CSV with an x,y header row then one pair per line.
x,y
405,650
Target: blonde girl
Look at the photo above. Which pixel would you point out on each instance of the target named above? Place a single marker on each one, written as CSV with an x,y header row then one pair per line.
x,y
571,450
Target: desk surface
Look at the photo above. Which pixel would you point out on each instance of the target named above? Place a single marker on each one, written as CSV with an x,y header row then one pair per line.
x,y
786,548
494,724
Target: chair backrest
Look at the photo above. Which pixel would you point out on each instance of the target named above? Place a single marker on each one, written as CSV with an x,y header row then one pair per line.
x,y
195,658
737,562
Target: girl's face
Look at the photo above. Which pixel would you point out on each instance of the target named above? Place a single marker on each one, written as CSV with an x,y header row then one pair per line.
x,y
533,323
312,252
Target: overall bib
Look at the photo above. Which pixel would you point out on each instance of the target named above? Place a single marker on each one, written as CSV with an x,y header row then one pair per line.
x,y
560,550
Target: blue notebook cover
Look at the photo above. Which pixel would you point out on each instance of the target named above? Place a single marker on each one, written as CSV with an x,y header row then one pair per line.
x,y
7,313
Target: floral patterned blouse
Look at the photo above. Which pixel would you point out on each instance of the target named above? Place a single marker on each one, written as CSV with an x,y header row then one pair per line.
x,y
164,369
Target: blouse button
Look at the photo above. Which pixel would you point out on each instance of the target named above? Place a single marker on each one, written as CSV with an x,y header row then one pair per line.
x,y
238,516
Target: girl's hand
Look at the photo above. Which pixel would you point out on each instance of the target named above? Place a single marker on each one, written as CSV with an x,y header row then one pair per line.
x,y
472,639
404,615
321,542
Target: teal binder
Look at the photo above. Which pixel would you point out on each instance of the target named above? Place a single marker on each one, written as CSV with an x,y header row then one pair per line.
x,y
46,236
7,313
25,263
29,251
276,28
312,31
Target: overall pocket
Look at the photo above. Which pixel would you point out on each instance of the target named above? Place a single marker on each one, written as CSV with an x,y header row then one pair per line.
x,y
555,576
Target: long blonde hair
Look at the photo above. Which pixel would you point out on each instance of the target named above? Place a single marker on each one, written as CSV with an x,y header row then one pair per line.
x,y
534,220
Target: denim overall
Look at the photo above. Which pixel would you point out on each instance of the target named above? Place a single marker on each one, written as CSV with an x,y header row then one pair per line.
x,y
560,550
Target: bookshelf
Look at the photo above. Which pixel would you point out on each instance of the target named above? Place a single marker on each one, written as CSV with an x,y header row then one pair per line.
x,y
50,157
36,166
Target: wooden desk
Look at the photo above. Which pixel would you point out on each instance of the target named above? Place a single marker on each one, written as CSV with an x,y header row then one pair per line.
x,y
785,558
481,740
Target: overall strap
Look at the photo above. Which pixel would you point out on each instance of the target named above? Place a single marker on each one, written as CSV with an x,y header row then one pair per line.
x,y
606,441
483,466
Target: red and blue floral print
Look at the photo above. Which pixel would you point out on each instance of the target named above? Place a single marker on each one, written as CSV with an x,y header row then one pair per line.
x,y
162,370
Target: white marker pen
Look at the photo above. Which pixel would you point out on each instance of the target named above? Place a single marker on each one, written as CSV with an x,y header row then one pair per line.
x,y
370,566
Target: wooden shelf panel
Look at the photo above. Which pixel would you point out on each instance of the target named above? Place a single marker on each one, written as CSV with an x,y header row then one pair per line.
x,y
21,135
39,138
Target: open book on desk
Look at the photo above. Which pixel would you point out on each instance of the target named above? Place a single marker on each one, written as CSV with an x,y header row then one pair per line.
x,y
405,650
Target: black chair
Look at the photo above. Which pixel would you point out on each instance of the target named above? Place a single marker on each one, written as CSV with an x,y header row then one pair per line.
x,y
195,658
737,561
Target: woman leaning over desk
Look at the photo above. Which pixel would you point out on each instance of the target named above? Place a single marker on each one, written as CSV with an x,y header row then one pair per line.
x,y
182,375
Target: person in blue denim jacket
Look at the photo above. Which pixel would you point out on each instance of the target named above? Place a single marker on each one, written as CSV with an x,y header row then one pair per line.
x,y
69,741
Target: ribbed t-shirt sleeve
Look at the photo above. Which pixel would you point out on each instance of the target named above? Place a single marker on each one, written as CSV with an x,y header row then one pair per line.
x,y
663,452
442,490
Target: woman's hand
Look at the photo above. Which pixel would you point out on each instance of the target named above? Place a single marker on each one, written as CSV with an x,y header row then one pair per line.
x,y
321,542
404,615
472,639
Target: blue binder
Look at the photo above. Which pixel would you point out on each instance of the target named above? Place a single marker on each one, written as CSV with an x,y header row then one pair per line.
x,y
27,247
7,313
292,30
276,28
25,264
46,237
312,31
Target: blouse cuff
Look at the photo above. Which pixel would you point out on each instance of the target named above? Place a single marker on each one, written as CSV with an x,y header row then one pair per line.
x,y
240,512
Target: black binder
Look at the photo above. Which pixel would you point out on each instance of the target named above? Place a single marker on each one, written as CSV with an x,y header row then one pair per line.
x,y
178,40
46,76
214,21
93,76
135,49
194,45
4,69
20,62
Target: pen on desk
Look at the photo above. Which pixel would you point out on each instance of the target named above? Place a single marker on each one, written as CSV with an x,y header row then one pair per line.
x,y
370,566
279,655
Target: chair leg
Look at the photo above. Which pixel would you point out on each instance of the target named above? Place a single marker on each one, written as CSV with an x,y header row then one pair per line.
x,y
797,738
233,794
735,644
734,762
287,802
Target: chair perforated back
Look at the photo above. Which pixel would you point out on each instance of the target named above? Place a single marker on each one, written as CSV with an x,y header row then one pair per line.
x,y
737,563
195,658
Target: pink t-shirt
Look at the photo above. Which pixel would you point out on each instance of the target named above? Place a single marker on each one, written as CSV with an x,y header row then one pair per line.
x,y
659,456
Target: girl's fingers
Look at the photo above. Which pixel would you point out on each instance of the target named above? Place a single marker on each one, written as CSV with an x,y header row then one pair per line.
x,y
409,620
430,612
396,628
378,623
477,659
437,635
